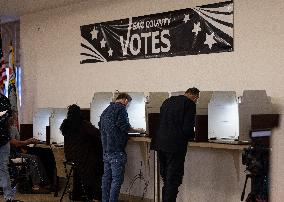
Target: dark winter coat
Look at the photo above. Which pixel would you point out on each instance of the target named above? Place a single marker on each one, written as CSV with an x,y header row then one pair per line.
x,y
176,126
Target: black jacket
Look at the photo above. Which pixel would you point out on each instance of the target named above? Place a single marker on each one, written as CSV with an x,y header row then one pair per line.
x,y
84,147
176,126
4,125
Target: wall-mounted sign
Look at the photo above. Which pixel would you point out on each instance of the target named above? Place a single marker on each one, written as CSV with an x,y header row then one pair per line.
x,y
199,30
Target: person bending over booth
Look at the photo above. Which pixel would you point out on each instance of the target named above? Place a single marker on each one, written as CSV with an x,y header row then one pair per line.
x,y
176,128
82,145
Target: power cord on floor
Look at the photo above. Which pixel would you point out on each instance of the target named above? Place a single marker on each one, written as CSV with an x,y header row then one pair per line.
x,y
140,177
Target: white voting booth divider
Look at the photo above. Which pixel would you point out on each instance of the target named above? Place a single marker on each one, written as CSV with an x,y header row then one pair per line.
x,y
56,120
136,110
223,116
40,121
99,102
52,117
229,116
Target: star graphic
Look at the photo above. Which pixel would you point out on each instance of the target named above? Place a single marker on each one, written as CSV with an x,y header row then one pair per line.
x,y
210,40
229,8
110,51
103,43
196,28
94,33
186,18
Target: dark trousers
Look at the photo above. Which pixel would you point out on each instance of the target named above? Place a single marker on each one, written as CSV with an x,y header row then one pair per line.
x,y
48,161
82,188
171,170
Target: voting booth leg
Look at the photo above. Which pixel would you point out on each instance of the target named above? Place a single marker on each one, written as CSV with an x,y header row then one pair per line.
x,y
156,178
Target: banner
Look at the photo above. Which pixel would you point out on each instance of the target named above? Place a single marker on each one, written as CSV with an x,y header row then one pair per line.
x,y
191,31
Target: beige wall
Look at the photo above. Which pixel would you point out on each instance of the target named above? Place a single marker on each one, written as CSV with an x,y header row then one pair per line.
x,y
53,76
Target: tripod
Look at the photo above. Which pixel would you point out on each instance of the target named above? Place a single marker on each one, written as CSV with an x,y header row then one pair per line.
x,y
67,186
245,185
259,188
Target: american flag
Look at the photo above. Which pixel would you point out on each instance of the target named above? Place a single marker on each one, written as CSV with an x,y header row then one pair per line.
x,y
12,91
3,69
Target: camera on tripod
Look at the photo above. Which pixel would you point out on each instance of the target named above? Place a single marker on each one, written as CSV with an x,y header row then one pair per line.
x,y
256,156
256,160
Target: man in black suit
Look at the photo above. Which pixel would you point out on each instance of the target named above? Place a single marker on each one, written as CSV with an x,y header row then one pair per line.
x,y
176,128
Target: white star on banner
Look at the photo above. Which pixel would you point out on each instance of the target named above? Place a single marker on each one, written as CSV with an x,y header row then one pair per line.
x,y
210,40
186,18
196,28
103,43
229,8
110,51
94,33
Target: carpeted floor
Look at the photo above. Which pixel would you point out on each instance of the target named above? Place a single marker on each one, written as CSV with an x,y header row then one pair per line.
x,y
39,198
51,198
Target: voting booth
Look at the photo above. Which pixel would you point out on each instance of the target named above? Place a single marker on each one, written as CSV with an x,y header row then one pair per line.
x,y
229,116
223,115
55,120
201,119
252,102
99,102
40,122
153,104
51,118
135,109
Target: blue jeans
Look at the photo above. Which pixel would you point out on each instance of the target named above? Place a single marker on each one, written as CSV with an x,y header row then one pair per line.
x,y
114,167
5,182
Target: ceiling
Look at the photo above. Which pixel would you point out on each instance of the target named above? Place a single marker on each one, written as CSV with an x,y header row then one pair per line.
x,y
11,10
